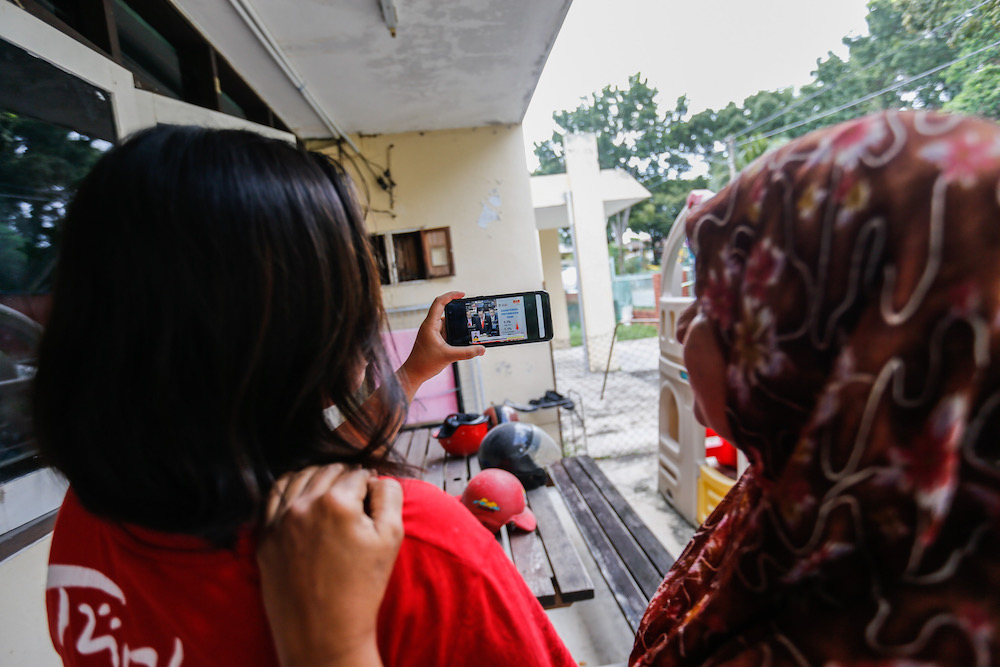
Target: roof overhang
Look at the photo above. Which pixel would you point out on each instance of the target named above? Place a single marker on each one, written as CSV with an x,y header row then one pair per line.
x,y
462,63
549,194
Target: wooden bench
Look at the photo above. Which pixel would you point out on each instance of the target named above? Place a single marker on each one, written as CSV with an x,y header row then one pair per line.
x,y
631,559
545,557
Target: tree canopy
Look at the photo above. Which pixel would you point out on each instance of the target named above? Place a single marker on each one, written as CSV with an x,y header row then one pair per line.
x,y
924,54
40,166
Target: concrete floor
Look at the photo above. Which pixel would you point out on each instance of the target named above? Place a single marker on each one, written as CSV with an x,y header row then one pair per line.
x,y
595,630
620,411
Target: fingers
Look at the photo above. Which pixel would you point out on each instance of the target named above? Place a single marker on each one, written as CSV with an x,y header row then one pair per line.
x,y
276,501
385,501
308,484
350,491
474,351
285,491
436,310
321,479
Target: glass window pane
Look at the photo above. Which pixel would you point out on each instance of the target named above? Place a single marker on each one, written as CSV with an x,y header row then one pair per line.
x,y
53,128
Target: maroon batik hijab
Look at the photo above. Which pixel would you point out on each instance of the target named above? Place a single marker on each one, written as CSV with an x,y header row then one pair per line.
x,y
853,281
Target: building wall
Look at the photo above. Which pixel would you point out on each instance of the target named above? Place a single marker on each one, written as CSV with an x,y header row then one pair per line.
x,y
474,181
24,638
552,263
24,635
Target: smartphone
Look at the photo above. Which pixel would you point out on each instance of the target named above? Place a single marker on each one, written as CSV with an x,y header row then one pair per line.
x,y
502,319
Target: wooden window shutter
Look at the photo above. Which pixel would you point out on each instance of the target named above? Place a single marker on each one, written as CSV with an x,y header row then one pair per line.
x,y
437,252
409,256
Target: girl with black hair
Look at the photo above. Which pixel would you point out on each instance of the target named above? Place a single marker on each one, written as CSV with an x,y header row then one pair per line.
x,y
846,336
215,297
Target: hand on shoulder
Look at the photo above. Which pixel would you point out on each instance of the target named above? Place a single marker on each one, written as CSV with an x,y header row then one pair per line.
x,y
325,562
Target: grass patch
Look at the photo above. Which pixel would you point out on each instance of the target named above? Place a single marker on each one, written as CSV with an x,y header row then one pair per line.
x,y
636,331
627,332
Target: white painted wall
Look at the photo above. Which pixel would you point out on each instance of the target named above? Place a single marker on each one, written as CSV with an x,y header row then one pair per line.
x,y
552,269
589,226
24,638
24,634
474,181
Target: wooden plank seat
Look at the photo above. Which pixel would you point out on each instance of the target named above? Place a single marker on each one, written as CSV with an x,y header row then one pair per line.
x,y
546,558
630,558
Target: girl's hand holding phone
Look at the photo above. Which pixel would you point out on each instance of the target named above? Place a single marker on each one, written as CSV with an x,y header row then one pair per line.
x,y
431,353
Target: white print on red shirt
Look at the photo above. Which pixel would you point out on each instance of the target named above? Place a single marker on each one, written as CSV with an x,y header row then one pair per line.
x,y
101,626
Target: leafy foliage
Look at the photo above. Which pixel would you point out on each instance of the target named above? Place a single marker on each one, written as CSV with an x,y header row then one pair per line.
x,y
906,39
40,166
630,132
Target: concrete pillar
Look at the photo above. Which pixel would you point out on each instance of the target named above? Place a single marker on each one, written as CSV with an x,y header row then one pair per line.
x,y
552,275
590,237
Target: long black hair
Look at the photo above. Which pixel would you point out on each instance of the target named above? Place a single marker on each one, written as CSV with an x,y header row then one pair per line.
x,y
215,293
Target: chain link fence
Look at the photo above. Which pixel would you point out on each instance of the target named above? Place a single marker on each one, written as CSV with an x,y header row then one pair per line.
x,y
617,405
613,378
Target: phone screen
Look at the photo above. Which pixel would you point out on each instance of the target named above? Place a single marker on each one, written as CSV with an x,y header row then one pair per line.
x,y
504,319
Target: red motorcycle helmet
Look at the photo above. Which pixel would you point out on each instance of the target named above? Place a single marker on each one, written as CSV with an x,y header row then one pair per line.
x,y
496,498
461,433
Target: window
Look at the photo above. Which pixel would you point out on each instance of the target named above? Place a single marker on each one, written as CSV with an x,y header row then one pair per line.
x,y
165,53
413,255
53,128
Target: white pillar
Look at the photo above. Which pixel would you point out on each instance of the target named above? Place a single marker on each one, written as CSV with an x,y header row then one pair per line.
x,y
590,234
552,274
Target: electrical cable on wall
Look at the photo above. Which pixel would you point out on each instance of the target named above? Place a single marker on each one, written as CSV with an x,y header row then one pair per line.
x,y
344,156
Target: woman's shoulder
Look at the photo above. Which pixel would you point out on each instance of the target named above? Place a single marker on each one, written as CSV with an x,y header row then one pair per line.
x,y
438,525
452,569
427,510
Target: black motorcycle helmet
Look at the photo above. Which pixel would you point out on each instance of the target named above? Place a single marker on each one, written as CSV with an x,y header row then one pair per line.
x,y
519,448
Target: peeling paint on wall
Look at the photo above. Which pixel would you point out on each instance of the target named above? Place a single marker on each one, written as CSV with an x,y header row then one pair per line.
x,y
491,209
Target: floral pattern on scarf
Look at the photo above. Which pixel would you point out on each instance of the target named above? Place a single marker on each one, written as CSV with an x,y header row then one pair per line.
x,y
853,278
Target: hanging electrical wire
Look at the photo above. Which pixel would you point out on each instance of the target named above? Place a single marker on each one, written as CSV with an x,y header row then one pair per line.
x,y
868,97
344,156
805,100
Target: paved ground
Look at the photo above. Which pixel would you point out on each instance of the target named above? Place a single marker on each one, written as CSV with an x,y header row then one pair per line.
x,y
624,421
621,433
595,630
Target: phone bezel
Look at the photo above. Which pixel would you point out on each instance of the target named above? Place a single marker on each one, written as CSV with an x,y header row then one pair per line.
x,y
546,318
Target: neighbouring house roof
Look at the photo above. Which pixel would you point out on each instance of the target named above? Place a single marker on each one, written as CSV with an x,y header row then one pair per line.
x,y
619,190
461,63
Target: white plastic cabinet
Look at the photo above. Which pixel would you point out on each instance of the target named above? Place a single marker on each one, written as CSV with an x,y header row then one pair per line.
x,y
681,449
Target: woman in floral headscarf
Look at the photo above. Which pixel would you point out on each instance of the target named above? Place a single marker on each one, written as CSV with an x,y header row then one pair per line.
x,y
846,336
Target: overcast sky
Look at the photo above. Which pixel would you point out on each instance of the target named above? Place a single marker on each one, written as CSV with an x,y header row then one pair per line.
x,y
715,51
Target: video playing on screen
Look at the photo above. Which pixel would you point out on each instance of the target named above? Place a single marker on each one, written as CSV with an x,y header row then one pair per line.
x,y
496,320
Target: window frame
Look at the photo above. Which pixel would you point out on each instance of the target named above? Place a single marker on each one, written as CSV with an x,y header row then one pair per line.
x,y
28,501
387,257
205,73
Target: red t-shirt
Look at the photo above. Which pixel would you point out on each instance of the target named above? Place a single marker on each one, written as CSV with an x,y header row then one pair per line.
x,y
128,596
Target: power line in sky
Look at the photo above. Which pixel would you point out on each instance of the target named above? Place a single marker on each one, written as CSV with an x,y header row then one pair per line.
x,y
868,97
796,104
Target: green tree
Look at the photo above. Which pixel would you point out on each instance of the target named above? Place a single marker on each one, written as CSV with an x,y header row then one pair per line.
x,y
40,166
906,39
630,132
634,136
656,215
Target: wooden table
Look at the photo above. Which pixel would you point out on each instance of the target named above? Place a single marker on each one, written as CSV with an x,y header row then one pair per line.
x,y
546,557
